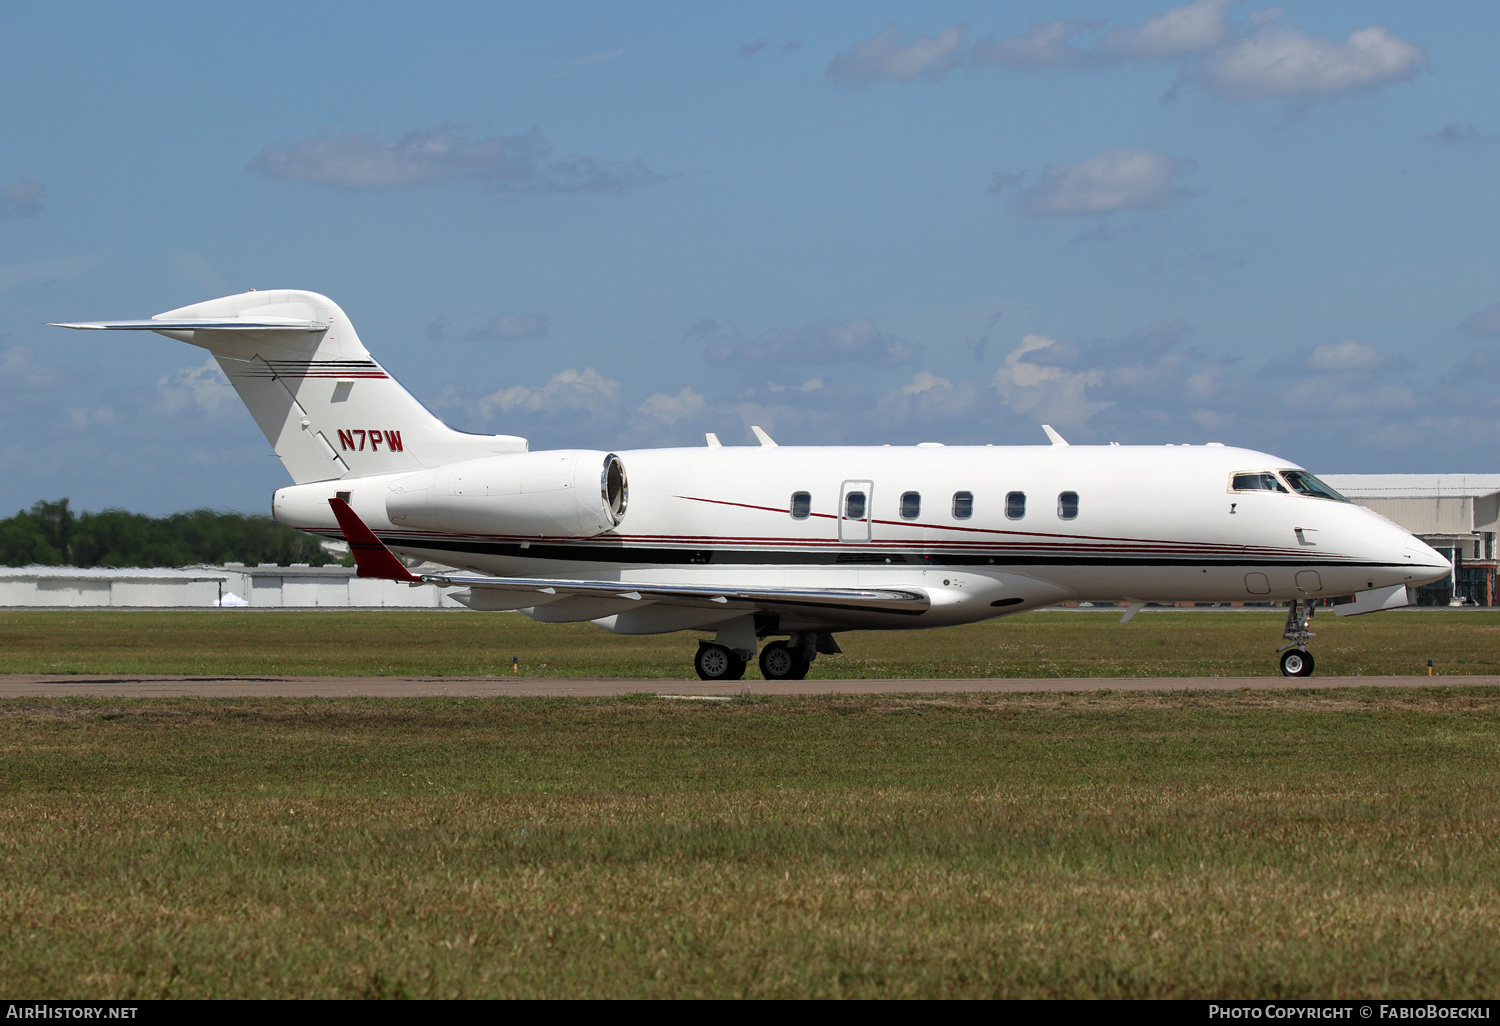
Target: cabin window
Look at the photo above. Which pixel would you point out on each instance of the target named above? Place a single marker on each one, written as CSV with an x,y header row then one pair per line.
x,y
1261,481
1067,505
911,505
963,505
1015,505
801,505
1304,483
854,506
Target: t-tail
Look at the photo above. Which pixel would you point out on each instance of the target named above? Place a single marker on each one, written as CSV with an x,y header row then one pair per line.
x,y
328,409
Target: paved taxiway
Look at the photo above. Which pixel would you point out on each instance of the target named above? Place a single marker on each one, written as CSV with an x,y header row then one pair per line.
x,y
129,686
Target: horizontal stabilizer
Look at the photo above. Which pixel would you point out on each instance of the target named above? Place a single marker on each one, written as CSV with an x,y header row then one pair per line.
x,y
200,324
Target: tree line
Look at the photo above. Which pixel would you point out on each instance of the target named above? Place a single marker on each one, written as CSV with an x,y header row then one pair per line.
x,y
52,534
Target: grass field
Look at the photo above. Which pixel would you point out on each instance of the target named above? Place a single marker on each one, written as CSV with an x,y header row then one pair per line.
x,y
1065,644
1268,844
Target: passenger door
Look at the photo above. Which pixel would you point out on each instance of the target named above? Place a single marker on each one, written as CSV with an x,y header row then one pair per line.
x,y
855,500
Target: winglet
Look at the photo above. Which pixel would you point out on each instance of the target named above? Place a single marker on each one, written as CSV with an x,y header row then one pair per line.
x,y
765,440
371,557
1053,436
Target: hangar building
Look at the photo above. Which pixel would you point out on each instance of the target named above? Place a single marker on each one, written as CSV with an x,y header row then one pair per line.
x,y
259,587
1457,514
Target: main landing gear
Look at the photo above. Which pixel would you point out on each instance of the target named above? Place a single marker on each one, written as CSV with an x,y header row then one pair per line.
x,y
715,662
1296,660
779,660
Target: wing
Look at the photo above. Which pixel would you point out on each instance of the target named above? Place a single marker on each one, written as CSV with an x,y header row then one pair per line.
x,y
373,559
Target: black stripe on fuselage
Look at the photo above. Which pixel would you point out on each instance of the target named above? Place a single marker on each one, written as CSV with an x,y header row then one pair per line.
x,y
864,556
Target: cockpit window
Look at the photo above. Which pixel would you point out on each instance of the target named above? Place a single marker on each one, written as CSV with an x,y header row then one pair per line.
x,y
1304,483
1262,481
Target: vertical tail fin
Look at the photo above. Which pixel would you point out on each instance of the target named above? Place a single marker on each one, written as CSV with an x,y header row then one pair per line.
x,y
327,408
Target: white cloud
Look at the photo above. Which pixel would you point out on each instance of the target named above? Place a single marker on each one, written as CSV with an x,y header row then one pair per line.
x,y
510,328
1117,179
885,58
1204,385
669,409
81,418
1257,58
925,381
18,369
1348,355
1483,322
1052,394
1182,30
857,340
585,390
810,385
930,406
1045,44
21,198
507,163
1278,61
204,387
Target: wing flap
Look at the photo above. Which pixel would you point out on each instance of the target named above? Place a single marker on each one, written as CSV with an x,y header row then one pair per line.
x,y
883,600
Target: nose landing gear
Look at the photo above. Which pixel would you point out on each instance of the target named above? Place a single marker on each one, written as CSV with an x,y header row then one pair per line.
x,y
1296,660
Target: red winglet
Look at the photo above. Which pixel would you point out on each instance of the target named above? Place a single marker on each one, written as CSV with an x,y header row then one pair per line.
x,y
371,557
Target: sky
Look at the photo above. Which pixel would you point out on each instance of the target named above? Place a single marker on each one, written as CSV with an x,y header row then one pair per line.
x,y
620,225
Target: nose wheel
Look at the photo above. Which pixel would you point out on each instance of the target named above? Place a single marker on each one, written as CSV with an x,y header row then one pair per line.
x,y
1296,660
1296,663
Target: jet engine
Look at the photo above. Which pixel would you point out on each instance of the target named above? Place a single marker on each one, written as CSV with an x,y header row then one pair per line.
x,y
562,493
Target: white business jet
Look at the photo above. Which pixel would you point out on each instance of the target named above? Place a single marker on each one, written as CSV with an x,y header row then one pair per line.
x,y
767,541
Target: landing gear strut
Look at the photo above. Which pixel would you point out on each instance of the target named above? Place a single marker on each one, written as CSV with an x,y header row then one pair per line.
x,y
1296,660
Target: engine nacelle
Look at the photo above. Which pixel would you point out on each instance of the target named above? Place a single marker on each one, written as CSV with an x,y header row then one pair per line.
x,y
563,493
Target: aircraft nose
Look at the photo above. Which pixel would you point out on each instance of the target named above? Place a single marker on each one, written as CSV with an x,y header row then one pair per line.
x,y
1425,563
